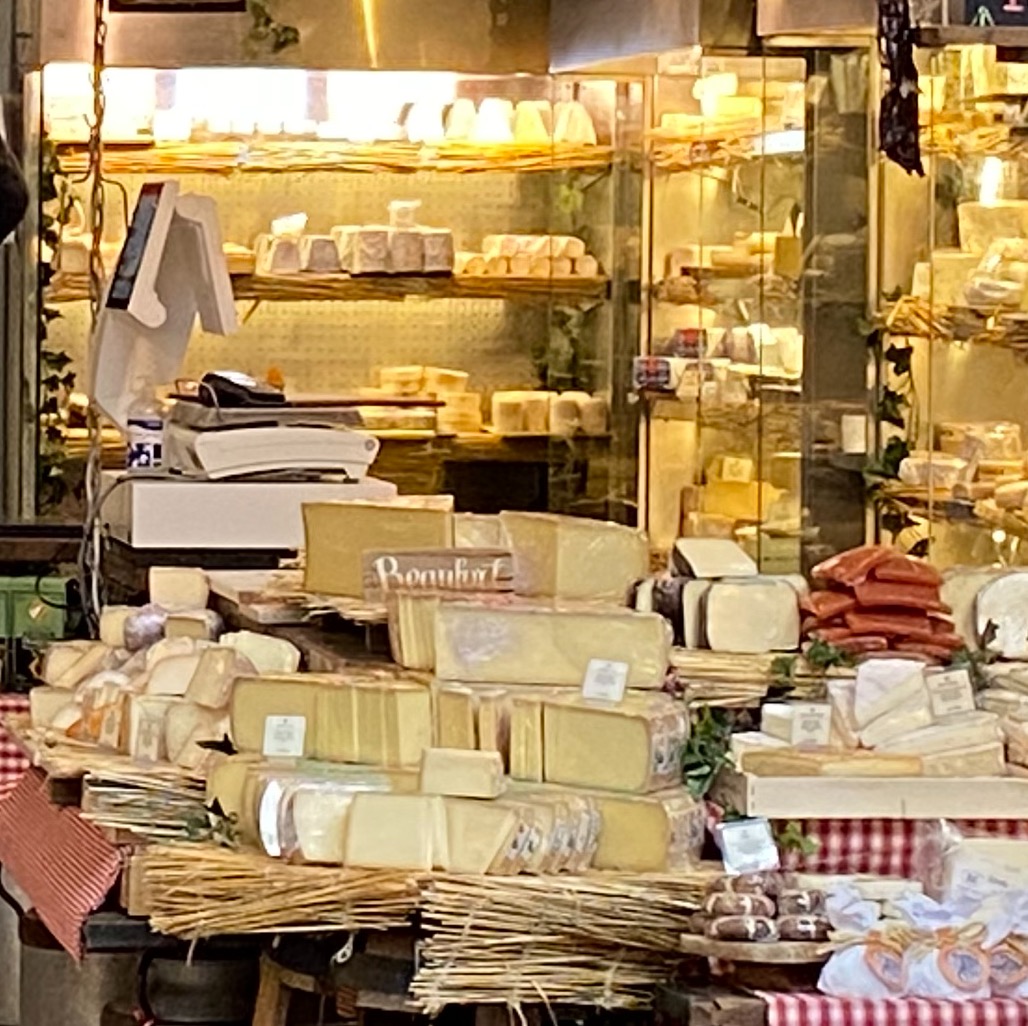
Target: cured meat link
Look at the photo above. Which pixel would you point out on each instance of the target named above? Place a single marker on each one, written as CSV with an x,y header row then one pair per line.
x,y
904,596
887,624
826,604
905,570
853,566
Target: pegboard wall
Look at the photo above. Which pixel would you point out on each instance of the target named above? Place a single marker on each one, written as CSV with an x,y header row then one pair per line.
x,y
324,347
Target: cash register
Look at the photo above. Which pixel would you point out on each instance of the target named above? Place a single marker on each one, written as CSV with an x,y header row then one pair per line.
x,y
240,459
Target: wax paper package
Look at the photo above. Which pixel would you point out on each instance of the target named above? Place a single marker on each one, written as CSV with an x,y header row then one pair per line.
x,y
1006,945
869,962
945,960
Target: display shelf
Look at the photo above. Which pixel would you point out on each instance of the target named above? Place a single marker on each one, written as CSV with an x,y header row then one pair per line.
x,y
340,288
299,157
681,156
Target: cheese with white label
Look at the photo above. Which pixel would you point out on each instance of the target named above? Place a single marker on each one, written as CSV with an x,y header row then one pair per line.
x,y
548,646
950,733
339,533
254,699
407,712
478,834
455,717
459,773
635,746
46,702
759,614
112,624
526,738
216,671
978,761
268,654
391,831
910,715
574,557
202,624
179,589
883,685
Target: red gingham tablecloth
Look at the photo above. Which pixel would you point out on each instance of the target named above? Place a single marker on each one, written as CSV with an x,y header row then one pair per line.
x,y
13,761
821,1010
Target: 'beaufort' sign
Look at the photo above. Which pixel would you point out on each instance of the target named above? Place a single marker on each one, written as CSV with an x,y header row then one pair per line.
x,y
447,570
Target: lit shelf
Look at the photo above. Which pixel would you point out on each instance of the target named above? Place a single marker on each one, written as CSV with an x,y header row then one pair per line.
x,y
226,158
340,288
672,155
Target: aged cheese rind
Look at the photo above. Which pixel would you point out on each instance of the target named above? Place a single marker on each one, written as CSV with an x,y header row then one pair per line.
x,y
458,773
407,709
544,646
392,831
635,746
574,557
339,533
216,671
478,834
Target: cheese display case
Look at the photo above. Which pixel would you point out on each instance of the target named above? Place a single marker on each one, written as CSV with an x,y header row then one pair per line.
x,y
754,401
455,249
952,479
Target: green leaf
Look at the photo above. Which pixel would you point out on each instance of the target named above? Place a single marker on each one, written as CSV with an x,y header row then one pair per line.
x,y
891,407
823,656
899,359
791,838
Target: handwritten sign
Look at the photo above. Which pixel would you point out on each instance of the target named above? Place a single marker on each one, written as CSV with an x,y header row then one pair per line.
x,y
445,570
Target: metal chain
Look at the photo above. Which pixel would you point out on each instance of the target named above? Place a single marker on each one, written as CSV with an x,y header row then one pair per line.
x,y
96,153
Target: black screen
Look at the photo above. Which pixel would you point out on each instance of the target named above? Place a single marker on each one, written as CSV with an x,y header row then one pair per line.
x,y
997,12
135,245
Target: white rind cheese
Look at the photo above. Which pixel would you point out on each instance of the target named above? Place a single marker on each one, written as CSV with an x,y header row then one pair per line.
x,y
978,761
268,654
948,734
883,685
760,614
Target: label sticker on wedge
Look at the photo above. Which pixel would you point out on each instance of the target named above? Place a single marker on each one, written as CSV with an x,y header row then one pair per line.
x,y
748,846
811,724
284,736
950,692
605,681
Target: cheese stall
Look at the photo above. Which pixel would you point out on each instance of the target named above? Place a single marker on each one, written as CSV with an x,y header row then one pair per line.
x,y
720,709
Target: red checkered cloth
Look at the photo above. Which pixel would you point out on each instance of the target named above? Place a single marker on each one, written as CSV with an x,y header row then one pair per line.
x,y
65,865
821,1010
13,761
886,847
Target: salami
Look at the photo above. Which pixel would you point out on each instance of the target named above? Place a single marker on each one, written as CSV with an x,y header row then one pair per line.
x,y
885,622
920,648
743,928
729,904
827,604
801,903
905,570
832,635
900,596
853,566
803,928
865,643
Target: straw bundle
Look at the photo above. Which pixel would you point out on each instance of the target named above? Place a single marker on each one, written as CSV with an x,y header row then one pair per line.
x,y
201,890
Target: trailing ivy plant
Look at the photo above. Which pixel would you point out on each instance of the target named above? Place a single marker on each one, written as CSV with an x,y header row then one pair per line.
x,y
708,750
56,379
266,33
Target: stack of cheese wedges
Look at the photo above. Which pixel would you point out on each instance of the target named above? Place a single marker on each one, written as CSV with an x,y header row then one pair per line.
x,y
891,720
157,684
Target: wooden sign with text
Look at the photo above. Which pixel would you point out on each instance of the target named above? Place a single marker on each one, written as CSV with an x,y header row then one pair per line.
x,y
446,570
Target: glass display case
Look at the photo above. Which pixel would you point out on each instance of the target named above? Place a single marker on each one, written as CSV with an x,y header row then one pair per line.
x,y
754,389
954,268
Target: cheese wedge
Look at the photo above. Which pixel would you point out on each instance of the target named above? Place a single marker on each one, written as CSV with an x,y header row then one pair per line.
x,y
268,654
172,677
948,734
478,834
458,773
882,686
112,624
216,671
656,833
912,714
979,761
145,716
203,624
45,703
179,589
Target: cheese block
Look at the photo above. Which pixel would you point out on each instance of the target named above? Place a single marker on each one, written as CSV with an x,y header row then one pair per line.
x,y
478,834
526,738
391,831
60,657
694,613
478,531
459,773
172,677
46,702
319,254
978,761
369,705
655,833
909,715
339,533
439,250
753,741
574,557
406,251
144,733
185,726
412,628
792,762
254,699
226,783
335,739
455,725
959,591
493,710
884,684
216,671
318,816
179,589
1004,703
170,648
407,711
87,662
739,501
841,697
543,646
204,624
709,558
949,734
647,735
112,625
267,653
760,614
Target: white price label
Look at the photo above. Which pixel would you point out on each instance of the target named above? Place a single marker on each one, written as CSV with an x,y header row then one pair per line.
x,y
605,681
748,846
284,736
950,692
737,470
811,725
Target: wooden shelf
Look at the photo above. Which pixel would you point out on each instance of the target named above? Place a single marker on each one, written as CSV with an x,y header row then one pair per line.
x,y
340,288
300,157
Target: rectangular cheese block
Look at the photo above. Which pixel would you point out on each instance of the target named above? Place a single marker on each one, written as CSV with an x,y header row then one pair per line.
x,y
226,783
759,614
412,628
526,738
574,557
202,624
392,831
635,746
479,834
455,717
112,624
459,773
548,646
949,734
407,709
214,676
369,706
339,533
494,722
753,741
656,833
794,762
317,819
179,589
267,653
335,739
46,702
254,699
985,760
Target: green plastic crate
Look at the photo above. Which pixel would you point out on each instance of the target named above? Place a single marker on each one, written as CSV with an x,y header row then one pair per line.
x,y
33,609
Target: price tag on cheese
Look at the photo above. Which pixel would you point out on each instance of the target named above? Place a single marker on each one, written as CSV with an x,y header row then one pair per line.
x,y
736,469
950,692
748,846
811,725
284,736
605,681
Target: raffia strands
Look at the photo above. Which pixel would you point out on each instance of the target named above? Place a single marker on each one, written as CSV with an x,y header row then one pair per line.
x,y
201,890
603,939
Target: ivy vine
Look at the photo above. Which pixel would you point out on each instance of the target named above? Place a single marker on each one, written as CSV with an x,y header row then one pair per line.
x,y
266,33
